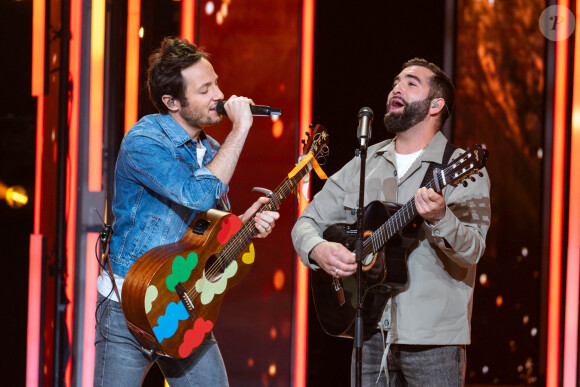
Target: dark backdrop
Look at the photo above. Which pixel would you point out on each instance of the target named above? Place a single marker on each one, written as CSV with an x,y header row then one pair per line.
x,y
359,48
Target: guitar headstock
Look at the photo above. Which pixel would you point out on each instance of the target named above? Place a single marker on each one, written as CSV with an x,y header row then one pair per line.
x,y
467,164
317,142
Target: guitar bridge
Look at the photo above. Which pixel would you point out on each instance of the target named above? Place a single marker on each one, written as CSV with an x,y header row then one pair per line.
x,y
339,291
186,301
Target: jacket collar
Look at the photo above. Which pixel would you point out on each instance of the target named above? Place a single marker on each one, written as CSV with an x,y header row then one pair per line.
x,y
174,131
432,152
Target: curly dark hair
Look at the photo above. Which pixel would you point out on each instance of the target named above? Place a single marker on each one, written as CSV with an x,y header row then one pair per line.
x,y
440,84
165,66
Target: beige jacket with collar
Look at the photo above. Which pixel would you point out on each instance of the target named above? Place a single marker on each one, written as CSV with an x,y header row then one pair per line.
x,y
436,305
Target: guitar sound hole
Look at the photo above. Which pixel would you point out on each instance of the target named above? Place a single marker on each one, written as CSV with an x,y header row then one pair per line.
x,y
368,259
214,269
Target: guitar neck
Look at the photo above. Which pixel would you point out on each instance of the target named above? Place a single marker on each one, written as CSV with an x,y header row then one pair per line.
x,y
241,239
395,224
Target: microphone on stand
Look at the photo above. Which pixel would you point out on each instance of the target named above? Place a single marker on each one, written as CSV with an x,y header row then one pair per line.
x,y
257,110
364,131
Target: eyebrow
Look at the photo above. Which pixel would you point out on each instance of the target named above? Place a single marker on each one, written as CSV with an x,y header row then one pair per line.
x,y
205,85
409,76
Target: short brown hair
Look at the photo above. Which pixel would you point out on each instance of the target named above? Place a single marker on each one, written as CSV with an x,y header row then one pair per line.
x,y
165,66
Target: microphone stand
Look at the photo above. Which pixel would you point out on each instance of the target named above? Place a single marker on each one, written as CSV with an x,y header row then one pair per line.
x,y
358,329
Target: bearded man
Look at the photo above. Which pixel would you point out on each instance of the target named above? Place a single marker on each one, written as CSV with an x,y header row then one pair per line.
x,y
422,330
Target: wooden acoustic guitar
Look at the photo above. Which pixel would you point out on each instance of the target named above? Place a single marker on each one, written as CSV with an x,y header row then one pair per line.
x,y
384,256
173,293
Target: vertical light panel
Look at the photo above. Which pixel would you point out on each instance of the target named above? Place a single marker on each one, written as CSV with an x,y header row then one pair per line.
x,y
38,16
558,160
301,296
33,334
33,338
72,164
92,272
188,20
96,96
132,63
573,257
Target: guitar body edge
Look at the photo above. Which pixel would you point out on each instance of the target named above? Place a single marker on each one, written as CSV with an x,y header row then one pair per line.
x,y
386,274
156,315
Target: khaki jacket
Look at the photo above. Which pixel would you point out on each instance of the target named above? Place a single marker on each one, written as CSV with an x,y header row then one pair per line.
x,y
435,306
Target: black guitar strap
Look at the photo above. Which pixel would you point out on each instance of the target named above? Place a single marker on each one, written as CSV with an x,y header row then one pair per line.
x,y
409,233
449,149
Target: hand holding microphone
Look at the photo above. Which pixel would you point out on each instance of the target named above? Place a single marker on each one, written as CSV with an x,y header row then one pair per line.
x,y
257,110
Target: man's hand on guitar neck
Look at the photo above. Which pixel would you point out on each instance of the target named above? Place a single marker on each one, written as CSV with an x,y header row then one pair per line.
x,y
265,221
430,205
334,258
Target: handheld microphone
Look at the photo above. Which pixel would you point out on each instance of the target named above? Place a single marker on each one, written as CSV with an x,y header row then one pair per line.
x,y
257,110
365,119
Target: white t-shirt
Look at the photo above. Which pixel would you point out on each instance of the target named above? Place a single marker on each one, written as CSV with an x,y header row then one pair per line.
x,y
405,161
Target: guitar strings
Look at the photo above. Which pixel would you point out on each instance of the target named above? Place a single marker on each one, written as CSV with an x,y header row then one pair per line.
x,y
234,246
381,236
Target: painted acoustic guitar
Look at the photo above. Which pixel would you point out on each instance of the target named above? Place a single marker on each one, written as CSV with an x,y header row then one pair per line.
x,y
384,256
173,293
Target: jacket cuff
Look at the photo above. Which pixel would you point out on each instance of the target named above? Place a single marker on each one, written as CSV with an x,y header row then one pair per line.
x,y
308,246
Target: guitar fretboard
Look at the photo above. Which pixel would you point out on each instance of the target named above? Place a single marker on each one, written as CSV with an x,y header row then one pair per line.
x,y
455,172
240,240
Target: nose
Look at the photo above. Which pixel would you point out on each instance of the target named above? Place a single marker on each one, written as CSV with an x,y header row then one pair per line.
x,y
219,96
396,89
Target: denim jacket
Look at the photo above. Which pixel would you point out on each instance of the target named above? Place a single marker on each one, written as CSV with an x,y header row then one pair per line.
x,y
159,188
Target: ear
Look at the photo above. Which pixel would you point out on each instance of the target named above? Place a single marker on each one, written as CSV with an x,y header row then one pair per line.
x,y
171,103
437,104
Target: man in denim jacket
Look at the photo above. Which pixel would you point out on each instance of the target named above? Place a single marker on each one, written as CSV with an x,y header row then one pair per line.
x,y
420,339
168,171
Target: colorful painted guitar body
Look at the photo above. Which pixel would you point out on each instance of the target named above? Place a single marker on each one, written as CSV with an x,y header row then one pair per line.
x,y
173,293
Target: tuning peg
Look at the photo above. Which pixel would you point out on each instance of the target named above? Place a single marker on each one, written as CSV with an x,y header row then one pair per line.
x,y
472,178
464,183
480,174
311,126
307,134
303,142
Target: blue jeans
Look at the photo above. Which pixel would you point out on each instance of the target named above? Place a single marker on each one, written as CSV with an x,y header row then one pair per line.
x,y
411,365
120,362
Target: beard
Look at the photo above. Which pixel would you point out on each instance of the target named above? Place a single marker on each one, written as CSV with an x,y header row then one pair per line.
x,y
412,114
197,117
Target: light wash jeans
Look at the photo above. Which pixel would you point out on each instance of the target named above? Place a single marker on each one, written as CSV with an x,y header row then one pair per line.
x,y
120,362
411,365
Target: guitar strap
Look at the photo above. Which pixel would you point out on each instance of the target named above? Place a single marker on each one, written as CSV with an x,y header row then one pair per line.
x,y
449,149
409,233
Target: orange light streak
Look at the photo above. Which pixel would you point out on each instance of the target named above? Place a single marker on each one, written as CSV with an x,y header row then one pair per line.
x,y
573,265
38,162
132,63
33,334
96,96
188,20
38,16
555,271
301,296
72,165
